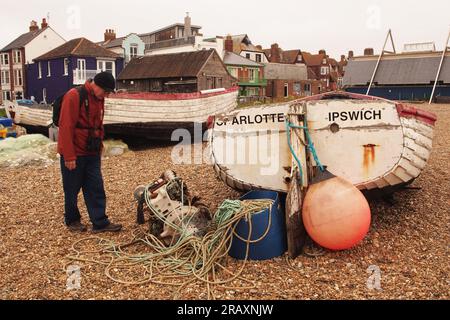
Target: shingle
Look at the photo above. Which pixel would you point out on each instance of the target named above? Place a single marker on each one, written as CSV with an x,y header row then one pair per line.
x,y
22,40
80,47
234,59
185,64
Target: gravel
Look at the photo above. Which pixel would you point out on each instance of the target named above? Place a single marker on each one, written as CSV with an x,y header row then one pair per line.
x,y
408,243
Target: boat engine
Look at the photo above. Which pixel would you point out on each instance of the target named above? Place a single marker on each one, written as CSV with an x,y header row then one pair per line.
x,y
171,209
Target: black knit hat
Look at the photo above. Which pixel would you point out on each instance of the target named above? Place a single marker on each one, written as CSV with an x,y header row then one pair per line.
x,y
106,81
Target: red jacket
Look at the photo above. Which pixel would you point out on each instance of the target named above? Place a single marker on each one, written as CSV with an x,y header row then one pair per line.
x,y
72,140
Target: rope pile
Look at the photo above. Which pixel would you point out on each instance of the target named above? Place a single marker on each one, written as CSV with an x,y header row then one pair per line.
x,y
191,259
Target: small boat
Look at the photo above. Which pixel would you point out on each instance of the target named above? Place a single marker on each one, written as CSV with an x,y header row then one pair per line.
x,y
149,115
377,144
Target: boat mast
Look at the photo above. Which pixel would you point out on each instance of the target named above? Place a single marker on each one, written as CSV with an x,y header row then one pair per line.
x,y
383,51
446,47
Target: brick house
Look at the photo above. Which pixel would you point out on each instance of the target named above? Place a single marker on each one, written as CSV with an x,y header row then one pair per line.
x,y
310,85
185,72
287,80
324,68
16,55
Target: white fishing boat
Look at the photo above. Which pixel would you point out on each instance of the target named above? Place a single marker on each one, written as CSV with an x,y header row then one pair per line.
x,y
151,115
374,143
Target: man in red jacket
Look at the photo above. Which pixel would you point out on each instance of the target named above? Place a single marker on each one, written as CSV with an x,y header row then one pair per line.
x,y
80,143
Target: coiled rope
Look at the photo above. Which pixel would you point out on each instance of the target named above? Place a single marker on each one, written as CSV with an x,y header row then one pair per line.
x,y
189,260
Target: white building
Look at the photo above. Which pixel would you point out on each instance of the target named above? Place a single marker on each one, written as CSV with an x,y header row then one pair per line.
x,y
20,52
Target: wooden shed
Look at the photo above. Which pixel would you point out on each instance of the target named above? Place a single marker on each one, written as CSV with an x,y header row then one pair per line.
x,y
184,72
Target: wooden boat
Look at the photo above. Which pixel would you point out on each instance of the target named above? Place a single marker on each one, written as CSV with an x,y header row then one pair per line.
x,y
150,115
374,143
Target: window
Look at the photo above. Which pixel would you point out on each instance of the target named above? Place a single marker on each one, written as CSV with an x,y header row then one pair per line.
x,y
307,87
19,95
324,61
218,83
39,70
286,90
247,55
324,71
234,72
133,51
4,59
18,77
6,95
258,58
299,58
5,77
297,88
66,66
209,83
251,74
17,56
108,66
49,69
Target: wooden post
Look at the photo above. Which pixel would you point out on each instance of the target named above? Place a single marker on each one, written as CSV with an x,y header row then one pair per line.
x,y
296,232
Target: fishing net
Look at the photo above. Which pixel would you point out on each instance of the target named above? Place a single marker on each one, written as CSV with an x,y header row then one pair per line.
x,y
33,149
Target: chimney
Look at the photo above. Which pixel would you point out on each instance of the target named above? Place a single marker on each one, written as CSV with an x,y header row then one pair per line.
x,y
187,26
275,53
110,34
229,44
351,54
323,52
368,52
34,26
342,57
44,24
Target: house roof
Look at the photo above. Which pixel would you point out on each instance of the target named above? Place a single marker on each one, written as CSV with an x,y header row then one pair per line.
x,y
398,70
282,71
311,74
184,64
23,40
112,43
286,56
80,47
241,42
313,60
233,59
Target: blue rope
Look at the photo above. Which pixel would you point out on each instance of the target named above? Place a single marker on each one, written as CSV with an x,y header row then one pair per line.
x,y
311,147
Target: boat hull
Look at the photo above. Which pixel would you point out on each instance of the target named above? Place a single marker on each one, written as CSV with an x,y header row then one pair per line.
x,y
374,143
153,116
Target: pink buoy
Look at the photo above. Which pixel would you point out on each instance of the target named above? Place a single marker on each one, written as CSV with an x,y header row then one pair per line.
x,y
336,214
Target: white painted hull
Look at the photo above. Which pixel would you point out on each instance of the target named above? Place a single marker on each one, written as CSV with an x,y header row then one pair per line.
x,y
384,148
145,109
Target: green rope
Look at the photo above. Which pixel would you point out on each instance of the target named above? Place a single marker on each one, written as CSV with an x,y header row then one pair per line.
x,y
310,146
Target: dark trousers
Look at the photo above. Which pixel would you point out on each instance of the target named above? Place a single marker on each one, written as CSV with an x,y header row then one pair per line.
x,y
88,177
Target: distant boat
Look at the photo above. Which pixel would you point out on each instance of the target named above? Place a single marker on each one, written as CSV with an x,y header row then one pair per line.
x,y
149,115
375,143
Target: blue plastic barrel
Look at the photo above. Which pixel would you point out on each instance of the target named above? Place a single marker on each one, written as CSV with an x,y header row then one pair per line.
x,y
274,244
6,122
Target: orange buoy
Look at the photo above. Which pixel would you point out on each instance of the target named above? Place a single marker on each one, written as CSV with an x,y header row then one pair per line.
x,y
336,214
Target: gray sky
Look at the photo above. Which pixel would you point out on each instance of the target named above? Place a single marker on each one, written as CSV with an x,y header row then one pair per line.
x,y
336,26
